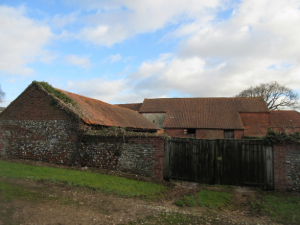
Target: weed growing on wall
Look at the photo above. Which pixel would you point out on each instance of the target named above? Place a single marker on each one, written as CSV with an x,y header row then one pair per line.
x,y
281,137
120,132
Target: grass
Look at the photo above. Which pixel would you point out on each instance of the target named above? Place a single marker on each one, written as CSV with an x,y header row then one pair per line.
x,y
213,199
187,201
11,191
111,184
206,198
282,207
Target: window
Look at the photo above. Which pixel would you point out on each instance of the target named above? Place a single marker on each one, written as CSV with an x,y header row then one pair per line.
x,y
191,131
228,134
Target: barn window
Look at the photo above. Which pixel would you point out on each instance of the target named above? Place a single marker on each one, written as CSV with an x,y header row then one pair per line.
x,y
228,134
191,131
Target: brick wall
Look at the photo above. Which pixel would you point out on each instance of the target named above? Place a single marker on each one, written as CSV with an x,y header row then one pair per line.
x,y
200,133
209,134
204,133
286,167
238,134
255,124
32,104
175,132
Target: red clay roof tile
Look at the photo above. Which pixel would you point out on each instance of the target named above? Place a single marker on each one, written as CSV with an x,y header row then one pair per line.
x,y
101,113
284,118
132,106
216,113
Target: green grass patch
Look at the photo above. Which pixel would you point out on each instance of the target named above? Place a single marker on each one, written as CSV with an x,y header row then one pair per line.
x,y
213,199
116,185
187,201
10,191
283,208
206,198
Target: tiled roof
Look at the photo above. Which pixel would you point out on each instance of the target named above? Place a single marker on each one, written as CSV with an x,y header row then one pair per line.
x,y
101,113
216,113
284,118
132,106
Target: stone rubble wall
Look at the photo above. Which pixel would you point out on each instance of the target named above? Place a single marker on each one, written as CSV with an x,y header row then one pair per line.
x,y
286,167
51,141
55,141
143,156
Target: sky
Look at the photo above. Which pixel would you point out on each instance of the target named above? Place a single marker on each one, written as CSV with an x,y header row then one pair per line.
x,y
122,51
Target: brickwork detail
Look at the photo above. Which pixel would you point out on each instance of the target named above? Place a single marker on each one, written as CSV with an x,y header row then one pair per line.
x,y
175,132
255,124
200,133
238,134
286,167
33,104
209,134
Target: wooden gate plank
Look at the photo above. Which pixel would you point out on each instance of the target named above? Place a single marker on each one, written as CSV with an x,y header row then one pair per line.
x,y
167,158
269,168
228,162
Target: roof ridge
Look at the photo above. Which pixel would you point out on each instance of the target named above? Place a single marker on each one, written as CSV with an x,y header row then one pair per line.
x,y
205,98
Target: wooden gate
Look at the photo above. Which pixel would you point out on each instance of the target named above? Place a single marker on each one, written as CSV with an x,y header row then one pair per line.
x,y
226,162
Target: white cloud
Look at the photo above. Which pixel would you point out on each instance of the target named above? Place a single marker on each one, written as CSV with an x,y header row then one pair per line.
x,y
111,91
60,21
115,21
113,58
257,44
104,90
22,41
221,59
82,62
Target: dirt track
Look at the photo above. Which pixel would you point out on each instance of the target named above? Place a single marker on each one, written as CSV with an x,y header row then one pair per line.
x,y
73,205
62,204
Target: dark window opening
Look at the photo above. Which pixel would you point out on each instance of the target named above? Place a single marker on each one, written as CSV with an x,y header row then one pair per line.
x,y
191,131
228,134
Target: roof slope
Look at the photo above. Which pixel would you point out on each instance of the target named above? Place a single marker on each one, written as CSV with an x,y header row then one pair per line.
x,y
132,106
101,113
216,113
284,118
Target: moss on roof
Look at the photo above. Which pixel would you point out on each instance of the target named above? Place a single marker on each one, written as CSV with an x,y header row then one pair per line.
x,y
58,94
61,99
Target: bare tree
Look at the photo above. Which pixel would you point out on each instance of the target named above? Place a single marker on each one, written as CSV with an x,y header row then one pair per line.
x,y
2,94
275,95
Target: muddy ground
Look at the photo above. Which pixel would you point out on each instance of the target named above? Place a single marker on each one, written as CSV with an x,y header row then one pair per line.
x,y
62,204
